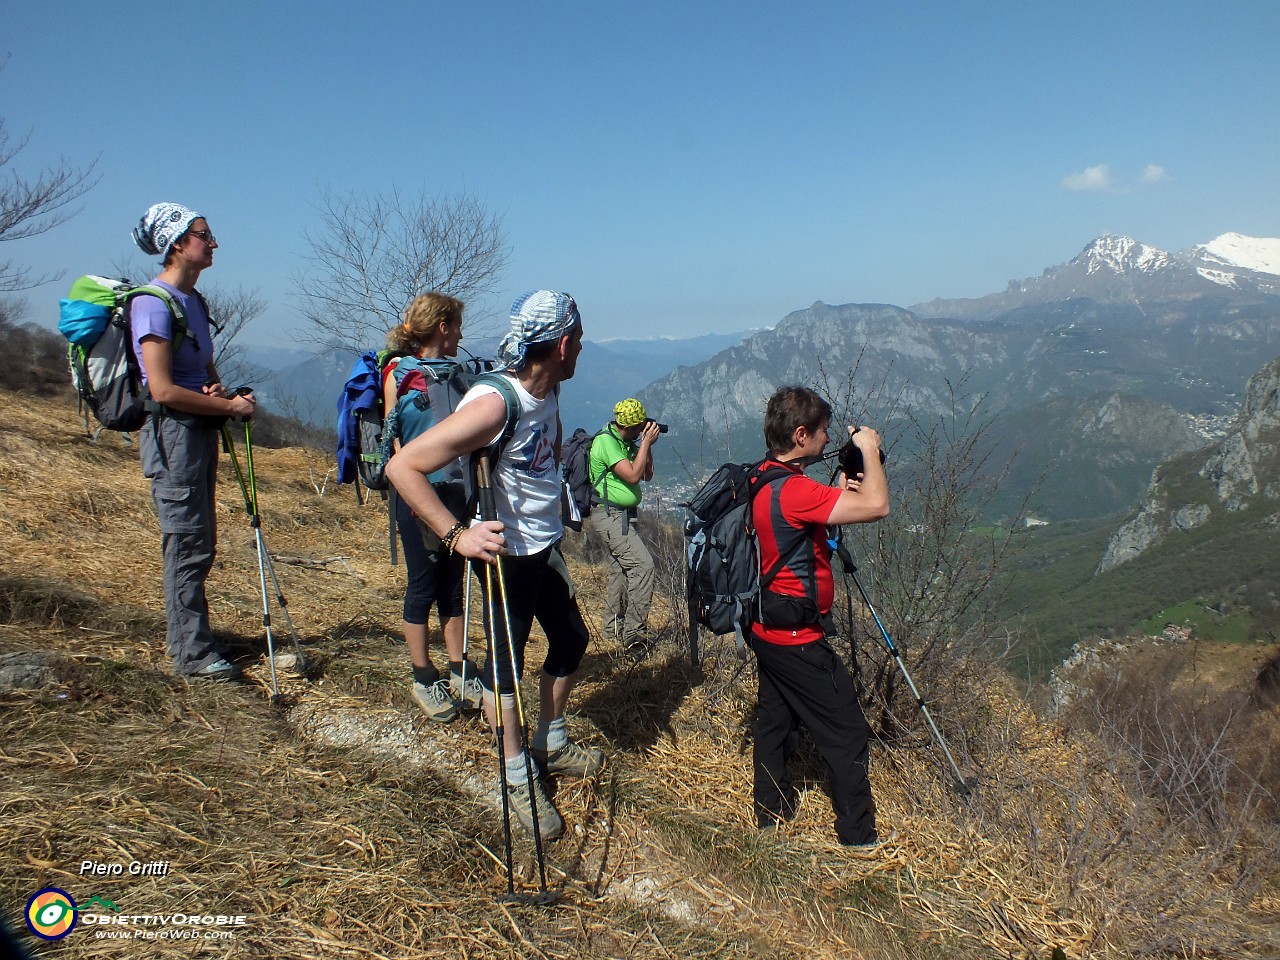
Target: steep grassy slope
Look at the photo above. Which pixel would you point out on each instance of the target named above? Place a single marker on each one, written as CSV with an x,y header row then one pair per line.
x,y
340,823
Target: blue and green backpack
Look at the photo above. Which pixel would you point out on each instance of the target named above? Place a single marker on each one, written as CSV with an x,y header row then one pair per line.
x,y
94,318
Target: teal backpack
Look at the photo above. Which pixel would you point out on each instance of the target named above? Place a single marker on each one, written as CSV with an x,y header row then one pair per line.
x,y
428,392
94,318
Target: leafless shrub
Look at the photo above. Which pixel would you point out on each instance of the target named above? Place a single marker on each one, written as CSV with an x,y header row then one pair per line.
x,y
931,568
1084,815
233,310
666,544
375,252
35,359
30,206
1205,754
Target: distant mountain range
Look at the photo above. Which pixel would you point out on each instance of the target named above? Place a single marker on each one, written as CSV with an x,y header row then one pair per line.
x,y
306,385
1124,335
1121,269
1095,371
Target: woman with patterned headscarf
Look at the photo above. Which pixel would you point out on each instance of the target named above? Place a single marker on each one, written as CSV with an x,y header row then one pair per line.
x,y
179,441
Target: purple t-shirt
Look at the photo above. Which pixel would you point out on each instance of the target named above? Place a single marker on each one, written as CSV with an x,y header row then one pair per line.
x,y
150,317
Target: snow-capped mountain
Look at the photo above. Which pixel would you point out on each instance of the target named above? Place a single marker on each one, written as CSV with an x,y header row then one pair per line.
x,y
1237,261
1119,255
1115,268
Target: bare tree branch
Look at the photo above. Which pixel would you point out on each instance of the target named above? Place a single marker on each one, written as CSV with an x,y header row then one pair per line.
x,y
375,253
932,565
233,310
32,206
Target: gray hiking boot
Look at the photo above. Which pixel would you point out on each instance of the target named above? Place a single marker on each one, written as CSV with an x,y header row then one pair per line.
x,y
639,646
571,760
470,694
550,823
220,669
435,700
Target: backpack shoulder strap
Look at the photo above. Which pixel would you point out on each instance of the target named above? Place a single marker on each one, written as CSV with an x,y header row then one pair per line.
x,y
600,485
766,474
400,368
769,476
170,301
512,401
217,327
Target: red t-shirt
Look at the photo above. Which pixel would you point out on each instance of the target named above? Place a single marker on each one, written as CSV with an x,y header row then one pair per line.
x,y
802,509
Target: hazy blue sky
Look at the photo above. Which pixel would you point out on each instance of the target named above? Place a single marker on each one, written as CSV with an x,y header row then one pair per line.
x,y
678,167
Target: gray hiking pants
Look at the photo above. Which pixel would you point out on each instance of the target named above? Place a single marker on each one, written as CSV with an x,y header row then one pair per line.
x,y
630,570
181,461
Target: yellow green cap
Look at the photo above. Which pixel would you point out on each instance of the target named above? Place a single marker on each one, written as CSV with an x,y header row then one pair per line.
x,y
629,412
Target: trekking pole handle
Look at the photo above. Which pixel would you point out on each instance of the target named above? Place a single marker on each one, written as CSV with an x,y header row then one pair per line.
x,y
484,488
481,545
242,391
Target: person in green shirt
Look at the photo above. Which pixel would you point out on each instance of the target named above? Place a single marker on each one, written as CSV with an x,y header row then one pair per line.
x,y
621,457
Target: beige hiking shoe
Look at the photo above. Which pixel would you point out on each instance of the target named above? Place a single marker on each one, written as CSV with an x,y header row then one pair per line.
x,y
571,760
435,701
470,694
521,798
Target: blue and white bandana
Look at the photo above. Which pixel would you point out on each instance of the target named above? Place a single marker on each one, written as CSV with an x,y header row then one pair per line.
x,y
160,226
536,317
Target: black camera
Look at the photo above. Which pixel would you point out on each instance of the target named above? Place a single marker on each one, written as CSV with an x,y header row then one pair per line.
x,y
244,391
851,460
662,427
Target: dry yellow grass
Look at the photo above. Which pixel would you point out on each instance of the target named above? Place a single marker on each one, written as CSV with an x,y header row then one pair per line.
x,y
343,824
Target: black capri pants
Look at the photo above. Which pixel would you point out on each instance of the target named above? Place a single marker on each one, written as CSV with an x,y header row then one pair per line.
x,y
538,587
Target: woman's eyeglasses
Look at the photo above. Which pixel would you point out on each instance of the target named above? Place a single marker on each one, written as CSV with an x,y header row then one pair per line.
x,y
205,235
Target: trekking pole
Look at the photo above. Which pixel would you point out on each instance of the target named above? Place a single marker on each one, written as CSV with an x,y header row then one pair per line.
x,y
693,614
249,490
266,553
498,598
961,786
466,625
500,732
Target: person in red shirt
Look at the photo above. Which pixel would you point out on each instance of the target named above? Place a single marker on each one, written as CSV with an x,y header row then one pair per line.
x,y
802,680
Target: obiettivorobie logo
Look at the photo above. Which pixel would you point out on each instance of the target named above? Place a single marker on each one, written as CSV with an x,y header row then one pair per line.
x,y
51,913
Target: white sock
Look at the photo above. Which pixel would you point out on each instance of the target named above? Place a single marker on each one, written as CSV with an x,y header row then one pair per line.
x,y
517,771
551,734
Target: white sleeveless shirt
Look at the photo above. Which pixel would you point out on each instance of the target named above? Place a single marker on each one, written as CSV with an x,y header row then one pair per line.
x,y
526,481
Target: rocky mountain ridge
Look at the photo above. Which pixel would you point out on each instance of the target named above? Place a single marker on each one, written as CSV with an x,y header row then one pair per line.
x,y
1189,354
1122,269
1085,456
1241,470
1122,319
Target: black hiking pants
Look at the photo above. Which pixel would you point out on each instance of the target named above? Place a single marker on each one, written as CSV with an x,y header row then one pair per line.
x,y
808,685
538,587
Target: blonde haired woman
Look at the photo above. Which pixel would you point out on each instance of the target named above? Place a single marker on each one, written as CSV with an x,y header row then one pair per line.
x,y
428,339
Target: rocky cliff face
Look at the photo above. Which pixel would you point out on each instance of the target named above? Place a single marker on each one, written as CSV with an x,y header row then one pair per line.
x,y
1239,470
904,356
1086,456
